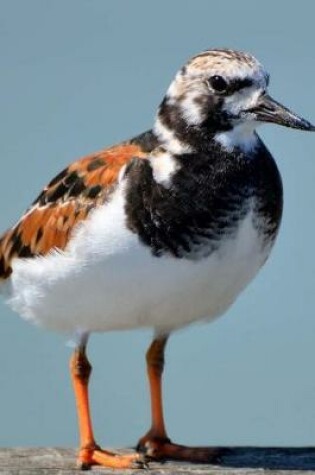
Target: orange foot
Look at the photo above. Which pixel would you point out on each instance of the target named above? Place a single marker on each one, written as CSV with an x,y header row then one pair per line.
x,y
96,456
164,449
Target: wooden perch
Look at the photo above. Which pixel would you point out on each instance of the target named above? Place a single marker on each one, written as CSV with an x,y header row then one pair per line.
x,y
237,461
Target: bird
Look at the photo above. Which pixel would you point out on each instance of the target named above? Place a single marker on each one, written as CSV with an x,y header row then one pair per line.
x,y
159,231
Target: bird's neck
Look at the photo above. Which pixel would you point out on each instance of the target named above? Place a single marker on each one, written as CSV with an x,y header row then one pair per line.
x,y
173,131
178,137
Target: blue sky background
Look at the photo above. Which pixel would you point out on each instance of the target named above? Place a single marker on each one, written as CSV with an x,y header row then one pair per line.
x,y
78,75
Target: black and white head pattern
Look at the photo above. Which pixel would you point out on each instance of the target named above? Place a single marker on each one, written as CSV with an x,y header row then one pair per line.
x,y
208,98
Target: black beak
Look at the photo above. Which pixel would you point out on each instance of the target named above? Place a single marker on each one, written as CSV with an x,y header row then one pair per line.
x,y
269,110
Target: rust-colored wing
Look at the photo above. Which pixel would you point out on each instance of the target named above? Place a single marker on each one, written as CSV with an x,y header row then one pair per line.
x,y
67,200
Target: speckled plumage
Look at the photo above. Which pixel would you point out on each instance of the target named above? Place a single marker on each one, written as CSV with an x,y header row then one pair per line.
x,y
187,185
66,201
159,231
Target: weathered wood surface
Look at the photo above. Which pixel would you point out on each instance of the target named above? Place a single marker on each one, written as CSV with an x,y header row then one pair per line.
x,y
240,461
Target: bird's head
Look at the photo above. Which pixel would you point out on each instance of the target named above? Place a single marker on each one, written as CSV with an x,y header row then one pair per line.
x,y
220,94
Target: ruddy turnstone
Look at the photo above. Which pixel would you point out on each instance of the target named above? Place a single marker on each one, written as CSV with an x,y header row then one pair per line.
x,y
159,231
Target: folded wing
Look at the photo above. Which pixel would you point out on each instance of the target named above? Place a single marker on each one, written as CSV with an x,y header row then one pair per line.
x,y
67,200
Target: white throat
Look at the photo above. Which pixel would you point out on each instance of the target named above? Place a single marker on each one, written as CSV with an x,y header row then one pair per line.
x,y
242,136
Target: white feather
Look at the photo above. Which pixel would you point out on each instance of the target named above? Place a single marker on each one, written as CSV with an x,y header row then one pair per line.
x,y
108,280
242,136
164,165
192,111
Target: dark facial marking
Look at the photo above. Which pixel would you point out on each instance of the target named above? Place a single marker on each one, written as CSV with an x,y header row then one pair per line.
x,y
238,84
225,88
199,136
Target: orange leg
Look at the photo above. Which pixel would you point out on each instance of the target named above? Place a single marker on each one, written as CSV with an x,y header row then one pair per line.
x,y
90,453
155,366
156,443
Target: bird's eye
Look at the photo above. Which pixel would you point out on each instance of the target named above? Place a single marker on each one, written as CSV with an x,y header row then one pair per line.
x,y
218,83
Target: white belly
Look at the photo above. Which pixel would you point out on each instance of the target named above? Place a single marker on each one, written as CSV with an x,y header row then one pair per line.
x,y
107,280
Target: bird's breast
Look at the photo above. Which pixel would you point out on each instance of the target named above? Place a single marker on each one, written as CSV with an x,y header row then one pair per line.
x,y
109,279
